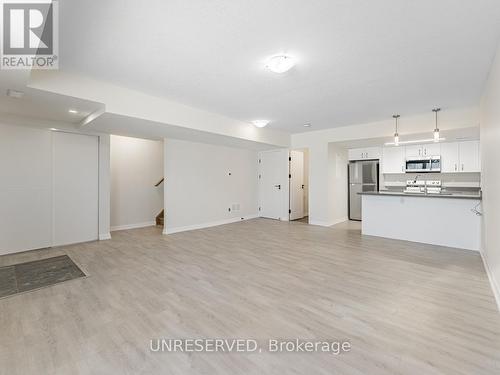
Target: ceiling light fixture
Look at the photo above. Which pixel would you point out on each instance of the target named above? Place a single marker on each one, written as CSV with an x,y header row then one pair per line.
x,y
15,93
260,123
280,63
396,134
74,111
436,129
308,125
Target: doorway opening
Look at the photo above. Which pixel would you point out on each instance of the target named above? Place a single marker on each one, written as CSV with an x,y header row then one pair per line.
x,y
137,194
298,185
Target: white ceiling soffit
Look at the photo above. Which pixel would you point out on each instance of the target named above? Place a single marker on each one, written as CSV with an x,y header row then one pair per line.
x,y
124,102
140,128
451,135
357,61
39,104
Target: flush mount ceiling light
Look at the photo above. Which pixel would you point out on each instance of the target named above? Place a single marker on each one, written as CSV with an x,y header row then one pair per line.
x,y
280,63
396,134
74,111
436,129
15,93
308,125
260,123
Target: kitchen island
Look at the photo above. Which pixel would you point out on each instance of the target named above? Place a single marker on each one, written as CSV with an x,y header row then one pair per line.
x,y
437,219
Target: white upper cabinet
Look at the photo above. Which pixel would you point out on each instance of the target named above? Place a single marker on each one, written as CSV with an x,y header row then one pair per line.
x,y
393,160
469,156
456,157
364,153
450,158
432,149
427,150
414,151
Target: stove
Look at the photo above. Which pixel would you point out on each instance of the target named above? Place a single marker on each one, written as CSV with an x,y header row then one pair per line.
x,y
423,187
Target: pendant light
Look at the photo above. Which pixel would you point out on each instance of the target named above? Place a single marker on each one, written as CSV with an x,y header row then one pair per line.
x,y
436,129
396,134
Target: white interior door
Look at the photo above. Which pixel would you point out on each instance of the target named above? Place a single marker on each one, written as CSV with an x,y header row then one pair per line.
x,y
273,184
296,185
75,188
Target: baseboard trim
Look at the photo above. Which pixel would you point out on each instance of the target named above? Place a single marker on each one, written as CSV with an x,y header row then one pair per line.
x,y
208,225
327,223
104,236
493,283
133,226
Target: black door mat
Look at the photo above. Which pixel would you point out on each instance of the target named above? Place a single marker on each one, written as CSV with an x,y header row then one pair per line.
x,y
23,277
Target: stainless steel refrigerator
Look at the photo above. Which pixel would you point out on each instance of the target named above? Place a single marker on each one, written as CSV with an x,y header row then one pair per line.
x,y
363,176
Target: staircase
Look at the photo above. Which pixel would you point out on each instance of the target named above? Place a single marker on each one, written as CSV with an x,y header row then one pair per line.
x,y
160,218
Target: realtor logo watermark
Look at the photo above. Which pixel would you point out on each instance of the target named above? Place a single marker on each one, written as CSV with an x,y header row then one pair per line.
x,y
221,345
30,34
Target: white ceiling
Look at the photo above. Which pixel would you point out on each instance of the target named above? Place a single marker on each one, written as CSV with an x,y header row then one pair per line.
x,y
359,60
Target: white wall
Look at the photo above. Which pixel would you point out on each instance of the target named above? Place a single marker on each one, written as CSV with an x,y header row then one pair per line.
x,y
199,190
306,181
490,155
104,187
136,166
338,188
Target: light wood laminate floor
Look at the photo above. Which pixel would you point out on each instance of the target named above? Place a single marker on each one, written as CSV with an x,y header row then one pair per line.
x,y
406,308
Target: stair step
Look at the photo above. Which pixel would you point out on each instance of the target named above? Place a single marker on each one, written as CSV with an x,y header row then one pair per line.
x,y
160,218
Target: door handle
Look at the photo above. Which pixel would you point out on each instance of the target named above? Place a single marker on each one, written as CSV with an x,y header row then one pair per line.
x,y
278,186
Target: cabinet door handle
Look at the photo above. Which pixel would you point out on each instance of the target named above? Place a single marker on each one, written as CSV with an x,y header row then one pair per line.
x,y
462,167
456,167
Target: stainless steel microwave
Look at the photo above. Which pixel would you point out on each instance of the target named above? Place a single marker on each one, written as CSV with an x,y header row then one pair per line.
x,y
423,165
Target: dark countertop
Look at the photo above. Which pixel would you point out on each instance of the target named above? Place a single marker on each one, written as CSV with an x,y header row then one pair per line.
x,y
443,195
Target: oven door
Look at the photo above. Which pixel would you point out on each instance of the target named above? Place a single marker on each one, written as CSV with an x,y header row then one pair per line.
x,y
418,165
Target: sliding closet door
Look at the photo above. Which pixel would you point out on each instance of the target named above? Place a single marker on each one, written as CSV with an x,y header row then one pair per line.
x,y
25,188
75,188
